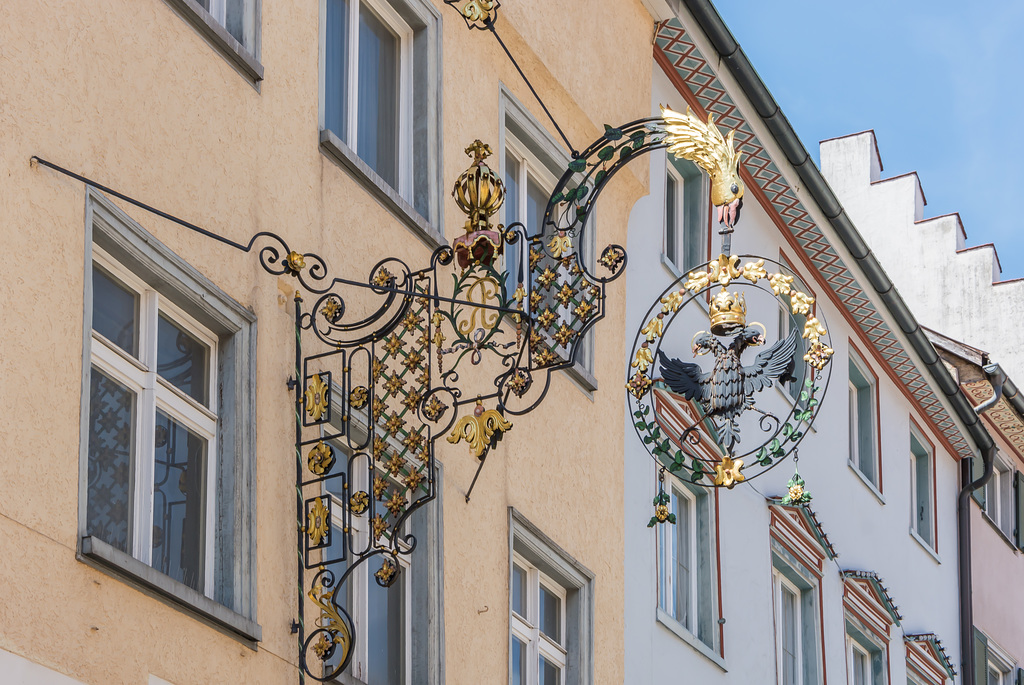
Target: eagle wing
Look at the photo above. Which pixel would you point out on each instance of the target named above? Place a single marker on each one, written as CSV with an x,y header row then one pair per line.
x,y
689,380
774,362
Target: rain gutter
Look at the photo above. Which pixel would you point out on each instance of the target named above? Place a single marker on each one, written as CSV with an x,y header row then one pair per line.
x,y
734,59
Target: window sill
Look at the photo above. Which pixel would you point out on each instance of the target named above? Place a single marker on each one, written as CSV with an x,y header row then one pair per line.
x,y
218,37
1002,534
109,559
583,379
680,631
864,479
332,146
924,544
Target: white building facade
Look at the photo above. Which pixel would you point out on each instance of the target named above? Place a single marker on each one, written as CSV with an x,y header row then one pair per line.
x,y
861,585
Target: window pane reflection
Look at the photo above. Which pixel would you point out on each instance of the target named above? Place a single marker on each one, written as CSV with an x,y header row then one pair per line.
x,y
384,632
550,614
336,68
111,440
183,360
115,312
179,487
378,96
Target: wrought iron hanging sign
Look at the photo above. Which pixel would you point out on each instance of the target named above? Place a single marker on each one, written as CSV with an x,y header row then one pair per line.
x,y
693,416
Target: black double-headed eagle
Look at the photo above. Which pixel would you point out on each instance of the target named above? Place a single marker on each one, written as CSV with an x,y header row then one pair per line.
x,y
727,390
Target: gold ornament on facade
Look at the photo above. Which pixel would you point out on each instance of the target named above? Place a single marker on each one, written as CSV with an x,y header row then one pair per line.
x,y
413,480
644,358
728,312
703,144
394,384
331,621
654,328
320,458
386,572
412,400
395,504
547,278
412,320
559,245
672,301
564,335
728,472
295,262
394,423
359,502
546,318
800,303
780,283
380,486
479,429
377,368
413,440
378,526
483,291
583,311
434,409
725,269
380,448
316,398
638,385
318,522
754,271
612,258
695,281
479,191
394,344
378,408
358,397
818,354
661,512
519,382
331,309
395,464
413,360
565,295
382,278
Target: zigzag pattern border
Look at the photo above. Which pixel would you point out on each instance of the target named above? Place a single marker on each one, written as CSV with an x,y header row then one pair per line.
x,y
694,70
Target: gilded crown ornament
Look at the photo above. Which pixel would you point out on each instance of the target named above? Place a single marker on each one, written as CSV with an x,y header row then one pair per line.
x,y
728,312
479,193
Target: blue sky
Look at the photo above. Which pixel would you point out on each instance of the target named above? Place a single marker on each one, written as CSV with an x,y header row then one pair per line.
x,y
940,83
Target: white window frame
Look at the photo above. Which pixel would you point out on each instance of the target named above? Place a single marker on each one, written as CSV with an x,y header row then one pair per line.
x,y
780,583
865,646
350,136
527,628
679,216
999,496
667,547
854,652
927,537
855,456
999,661
152,393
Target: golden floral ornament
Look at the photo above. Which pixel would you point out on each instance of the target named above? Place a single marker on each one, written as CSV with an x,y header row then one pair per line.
x,y
644,358
728,472
394,384
320,458
559,245
378,408
695,282
321,647
413,360
800,303
564,335
382,278
583,311
818,354
412,320
380,448
395,464
331,309
780,283
725,269
413,441
519,294
412,400
672,301
535,257
316,398
535,299
295,262
480,429
331,621
396,503
318,522
394,344
386,573
546,319
661,512
545,357
654,328
394,423
612,258
358,397
796,492
379,526
413,480
754,271
359,502
638,385
565,294
380,486
547,278
434,409
378,368
519,382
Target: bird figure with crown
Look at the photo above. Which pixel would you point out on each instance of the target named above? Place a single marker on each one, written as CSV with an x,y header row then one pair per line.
x,y
728,389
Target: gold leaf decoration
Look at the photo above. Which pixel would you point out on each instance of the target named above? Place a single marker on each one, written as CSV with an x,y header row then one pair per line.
x,y
316,398
478,429
320,458
318,522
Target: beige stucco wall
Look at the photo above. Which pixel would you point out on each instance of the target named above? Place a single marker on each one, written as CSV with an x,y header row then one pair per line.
x,y
136,99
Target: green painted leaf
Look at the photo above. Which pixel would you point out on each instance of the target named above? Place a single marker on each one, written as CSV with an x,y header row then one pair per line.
x,y
612,133
638,135
599,176
787,429
697,475
577,165
638,414
557,197
803,395
606,153
625,151
812,403
809,382
582,191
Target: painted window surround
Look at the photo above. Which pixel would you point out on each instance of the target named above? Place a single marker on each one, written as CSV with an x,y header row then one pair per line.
x,y
868,371
918,434
421,206
244,58
151,261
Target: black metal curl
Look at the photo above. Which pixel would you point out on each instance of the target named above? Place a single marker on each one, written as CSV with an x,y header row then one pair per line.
x,y
327,635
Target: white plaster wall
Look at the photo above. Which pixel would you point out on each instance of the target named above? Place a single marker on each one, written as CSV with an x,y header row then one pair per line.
x,y
868,533
953,291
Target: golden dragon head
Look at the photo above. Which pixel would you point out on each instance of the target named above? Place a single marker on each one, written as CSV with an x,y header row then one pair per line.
x,y
703,144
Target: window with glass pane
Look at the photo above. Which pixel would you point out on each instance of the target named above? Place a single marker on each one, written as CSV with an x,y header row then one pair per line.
x,y
237,16
789,630
921,493
537,644
865,659
999,496
366,83
152,428
685,238
863,455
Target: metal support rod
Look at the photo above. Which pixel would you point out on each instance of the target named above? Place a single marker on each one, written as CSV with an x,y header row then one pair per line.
x,y
298,482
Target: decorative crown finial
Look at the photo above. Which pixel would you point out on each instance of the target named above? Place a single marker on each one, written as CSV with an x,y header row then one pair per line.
x,y
728,312
479,151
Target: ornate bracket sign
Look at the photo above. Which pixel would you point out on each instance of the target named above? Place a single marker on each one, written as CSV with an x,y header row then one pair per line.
x,y
693,417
